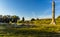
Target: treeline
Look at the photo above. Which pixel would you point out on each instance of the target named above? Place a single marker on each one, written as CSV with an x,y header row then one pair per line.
x,y
7,19
14,19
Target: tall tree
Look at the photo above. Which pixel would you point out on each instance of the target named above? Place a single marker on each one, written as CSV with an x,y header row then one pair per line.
x,y
23,19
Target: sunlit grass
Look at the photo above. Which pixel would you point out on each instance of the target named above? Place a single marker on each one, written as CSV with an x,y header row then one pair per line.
x,y
40,29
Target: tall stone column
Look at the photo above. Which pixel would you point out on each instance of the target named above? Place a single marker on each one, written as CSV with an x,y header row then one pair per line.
x,y
53,12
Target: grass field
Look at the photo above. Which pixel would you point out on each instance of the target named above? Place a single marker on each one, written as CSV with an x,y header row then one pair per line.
x,y
41,28
39,31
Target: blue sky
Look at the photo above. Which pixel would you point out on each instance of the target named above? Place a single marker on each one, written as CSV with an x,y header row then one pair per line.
x,y
29,8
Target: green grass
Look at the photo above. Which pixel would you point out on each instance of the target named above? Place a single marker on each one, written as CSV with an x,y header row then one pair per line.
x,y
25,32
42,28
40,31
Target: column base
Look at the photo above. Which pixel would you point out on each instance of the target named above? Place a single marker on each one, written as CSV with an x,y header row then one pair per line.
x,y
53,23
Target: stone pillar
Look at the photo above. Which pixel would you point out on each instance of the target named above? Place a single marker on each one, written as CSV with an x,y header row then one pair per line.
x,y
53,13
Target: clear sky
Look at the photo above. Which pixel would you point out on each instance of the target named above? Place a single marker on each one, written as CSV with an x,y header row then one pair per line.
x,y
29,8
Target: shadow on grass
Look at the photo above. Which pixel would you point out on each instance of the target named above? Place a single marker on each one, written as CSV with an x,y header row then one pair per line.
x,y
30,33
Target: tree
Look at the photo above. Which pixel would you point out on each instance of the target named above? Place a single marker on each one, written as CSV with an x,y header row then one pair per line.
x,y
58,17
37,19
15,18
5,19
23,19
32,19
8,18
